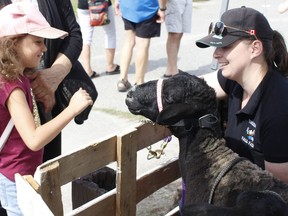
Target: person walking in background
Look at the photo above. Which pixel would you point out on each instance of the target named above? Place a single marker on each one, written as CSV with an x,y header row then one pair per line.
x,y
22,32
178,20
142,21
87,33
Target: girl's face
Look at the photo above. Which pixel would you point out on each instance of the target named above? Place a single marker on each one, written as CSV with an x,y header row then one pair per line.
x,y
30,50
234,59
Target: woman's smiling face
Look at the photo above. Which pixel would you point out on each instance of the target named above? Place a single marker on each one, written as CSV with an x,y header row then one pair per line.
x,y
233,59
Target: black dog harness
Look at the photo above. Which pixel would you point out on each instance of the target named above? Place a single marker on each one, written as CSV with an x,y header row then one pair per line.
x,y
205,121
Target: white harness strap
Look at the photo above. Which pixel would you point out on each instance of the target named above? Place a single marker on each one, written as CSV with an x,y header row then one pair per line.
x,y
159,94
6,134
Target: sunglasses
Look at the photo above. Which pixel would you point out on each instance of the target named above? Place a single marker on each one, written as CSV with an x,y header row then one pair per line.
x,y
220,29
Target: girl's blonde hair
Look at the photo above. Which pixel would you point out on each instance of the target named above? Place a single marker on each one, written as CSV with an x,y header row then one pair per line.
x,y
10,68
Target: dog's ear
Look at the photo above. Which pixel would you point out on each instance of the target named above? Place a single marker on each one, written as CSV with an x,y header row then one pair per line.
x,y
176,112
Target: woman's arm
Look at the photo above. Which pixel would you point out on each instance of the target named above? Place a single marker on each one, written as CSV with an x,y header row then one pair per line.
x,y
61,54
279,170
212,80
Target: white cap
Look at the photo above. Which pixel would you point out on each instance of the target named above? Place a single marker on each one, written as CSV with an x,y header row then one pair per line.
x,y
25,18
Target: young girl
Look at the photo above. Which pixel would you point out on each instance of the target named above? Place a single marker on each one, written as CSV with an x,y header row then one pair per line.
x,y
22,33
253,64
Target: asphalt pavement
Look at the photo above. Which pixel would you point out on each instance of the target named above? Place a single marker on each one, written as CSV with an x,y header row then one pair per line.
x,y
110,115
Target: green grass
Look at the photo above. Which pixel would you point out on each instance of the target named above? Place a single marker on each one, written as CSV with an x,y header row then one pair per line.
x,y
74,5
120,114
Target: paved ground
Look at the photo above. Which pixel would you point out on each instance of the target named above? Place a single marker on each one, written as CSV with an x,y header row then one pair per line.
x,y
110,114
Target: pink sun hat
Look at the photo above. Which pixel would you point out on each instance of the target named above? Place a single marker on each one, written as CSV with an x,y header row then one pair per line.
x,y
25,18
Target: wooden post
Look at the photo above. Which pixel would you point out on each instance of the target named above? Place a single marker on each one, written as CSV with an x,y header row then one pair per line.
x,y
50,189
126,174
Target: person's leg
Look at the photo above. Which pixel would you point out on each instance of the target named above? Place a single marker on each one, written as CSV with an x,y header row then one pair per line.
x,y
126,53
141,61
8,196
87,33
178,21
110,43
110,65
172,48
86,59
144,32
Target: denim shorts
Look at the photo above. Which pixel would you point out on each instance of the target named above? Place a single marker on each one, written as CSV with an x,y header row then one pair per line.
x,y
8,196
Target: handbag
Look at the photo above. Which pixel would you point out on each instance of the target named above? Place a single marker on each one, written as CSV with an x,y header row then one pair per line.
x,y
77,78
6,134
98,11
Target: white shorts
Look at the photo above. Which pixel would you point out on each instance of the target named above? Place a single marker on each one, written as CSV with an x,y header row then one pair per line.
x,y
179,16
87,30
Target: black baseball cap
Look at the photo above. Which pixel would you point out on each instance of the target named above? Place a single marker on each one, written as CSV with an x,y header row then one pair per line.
x,y
245,19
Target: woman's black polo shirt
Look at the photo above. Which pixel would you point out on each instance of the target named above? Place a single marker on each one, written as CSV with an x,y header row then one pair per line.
x,y
259,131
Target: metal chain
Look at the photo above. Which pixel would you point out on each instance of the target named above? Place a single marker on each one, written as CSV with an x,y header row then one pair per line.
x,y
158,152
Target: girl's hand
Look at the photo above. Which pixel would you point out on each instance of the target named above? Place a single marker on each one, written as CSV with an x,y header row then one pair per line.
x,y
79,101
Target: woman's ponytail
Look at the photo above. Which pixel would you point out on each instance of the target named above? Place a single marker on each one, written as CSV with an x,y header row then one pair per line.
x,y
277,55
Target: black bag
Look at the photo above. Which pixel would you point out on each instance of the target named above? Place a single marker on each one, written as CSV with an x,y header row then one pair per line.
x,y
77,78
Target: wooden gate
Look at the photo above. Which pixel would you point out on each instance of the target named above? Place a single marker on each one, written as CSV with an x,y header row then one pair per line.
x,y
41,194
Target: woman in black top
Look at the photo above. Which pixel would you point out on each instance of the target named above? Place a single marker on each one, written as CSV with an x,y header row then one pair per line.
x,y
253,67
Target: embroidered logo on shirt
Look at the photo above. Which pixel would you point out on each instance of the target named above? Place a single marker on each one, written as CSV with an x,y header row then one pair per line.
x,y
248,137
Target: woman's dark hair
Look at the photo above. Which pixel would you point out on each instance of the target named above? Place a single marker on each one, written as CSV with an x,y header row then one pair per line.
x,y
276,53
3,3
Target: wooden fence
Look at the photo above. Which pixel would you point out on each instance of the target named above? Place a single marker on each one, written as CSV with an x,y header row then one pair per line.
x,y
41,194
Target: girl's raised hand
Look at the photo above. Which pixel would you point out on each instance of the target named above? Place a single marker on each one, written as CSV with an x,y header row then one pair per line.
x,y
79,101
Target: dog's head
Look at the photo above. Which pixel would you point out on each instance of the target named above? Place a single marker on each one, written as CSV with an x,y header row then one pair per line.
x,y
180,97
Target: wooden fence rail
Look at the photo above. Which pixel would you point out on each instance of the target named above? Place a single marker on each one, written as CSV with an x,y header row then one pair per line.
x,y
41,194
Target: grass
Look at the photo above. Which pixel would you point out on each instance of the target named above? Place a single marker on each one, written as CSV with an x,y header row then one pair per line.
x,y
120,114
74,5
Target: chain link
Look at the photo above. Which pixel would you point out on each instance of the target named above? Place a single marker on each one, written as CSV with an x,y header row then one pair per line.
x,y
158,152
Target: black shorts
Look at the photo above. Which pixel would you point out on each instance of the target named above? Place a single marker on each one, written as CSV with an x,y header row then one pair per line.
x,y
145,29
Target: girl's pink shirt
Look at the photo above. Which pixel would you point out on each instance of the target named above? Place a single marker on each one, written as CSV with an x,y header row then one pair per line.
x,y
15,156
